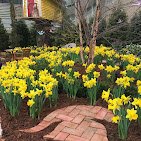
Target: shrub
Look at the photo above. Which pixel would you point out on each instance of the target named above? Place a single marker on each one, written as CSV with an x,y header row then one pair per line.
x,y
4,37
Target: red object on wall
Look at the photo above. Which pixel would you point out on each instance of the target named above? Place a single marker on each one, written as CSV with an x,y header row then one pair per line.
x,y
30,7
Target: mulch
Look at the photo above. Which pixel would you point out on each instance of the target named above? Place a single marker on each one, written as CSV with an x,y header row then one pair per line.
x,y
11,126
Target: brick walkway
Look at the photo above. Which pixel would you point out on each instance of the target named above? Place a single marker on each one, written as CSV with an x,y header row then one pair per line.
x,y
76,124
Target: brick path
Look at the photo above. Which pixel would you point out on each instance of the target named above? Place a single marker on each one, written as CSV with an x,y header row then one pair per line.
x,y
76,125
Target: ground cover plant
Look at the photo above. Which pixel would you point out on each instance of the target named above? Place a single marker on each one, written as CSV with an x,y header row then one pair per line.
x,y
40,77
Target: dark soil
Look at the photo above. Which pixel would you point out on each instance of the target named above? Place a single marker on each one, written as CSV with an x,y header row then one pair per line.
x,y
134,133
11,125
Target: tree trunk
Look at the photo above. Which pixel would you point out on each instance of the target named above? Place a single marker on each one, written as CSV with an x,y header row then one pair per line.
x,y
80,35
81,17
13,20
95,32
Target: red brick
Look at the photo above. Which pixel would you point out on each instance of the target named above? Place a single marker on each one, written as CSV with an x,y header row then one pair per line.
x,y
48,137
108,117
74,113
89,132
97,137
105,139
44,123
78,119
84,107
61,136
64,117
96,109
37,128
101,114
83,126
101,132
55,120
51,116
69,124
89,119
27,130
72,131
75,138
69,109
87,113
52,135
59,128
97,125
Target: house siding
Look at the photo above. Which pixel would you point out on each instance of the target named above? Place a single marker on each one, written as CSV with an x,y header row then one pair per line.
x,y
50,10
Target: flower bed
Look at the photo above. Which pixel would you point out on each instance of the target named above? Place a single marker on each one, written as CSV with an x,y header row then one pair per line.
x,y
40,77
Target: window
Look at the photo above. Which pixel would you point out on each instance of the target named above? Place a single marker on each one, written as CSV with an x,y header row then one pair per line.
x,y
15,1
18,1
4,1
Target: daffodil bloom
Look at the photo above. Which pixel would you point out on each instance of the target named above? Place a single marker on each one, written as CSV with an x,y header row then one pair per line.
x,y
76,74
139,90
138,83
69,63
90,83
101,67
30,102
124,81
137,102
96,74
125,99
105,95
114,104
132,114
115,119
109,69
123,73
84,65
108,75
85,78
59,74
90,68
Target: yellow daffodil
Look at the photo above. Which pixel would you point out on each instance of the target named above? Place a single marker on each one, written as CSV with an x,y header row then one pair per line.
x,y
115,119
105,95
131,114
76,74
96,74
30,102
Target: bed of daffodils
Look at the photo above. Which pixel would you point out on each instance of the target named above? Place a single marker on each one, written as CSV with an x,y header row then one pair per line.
x,y
38,78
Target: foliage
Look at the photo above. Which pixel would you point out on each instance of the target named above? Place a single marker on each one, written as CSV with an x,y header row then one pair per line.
x,y
118,28
102,28
65,34
33,33
135,27
132,49
23,34
37,82
4,37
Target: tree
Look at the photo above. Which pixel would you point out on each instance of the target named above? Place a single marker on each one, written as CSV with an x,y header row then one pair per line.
x,y
102,28
67,32
135,29
118,19
23,34
4,37
90,36
13,21
33,32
